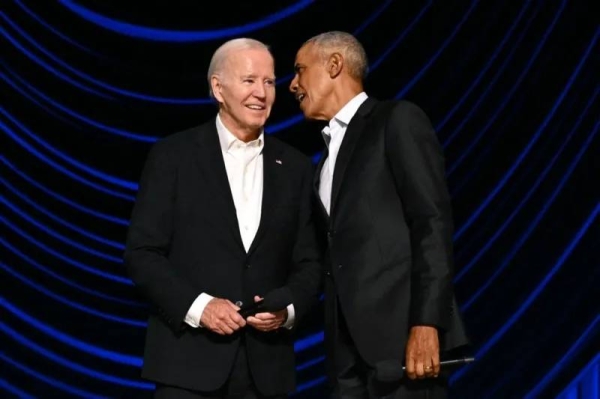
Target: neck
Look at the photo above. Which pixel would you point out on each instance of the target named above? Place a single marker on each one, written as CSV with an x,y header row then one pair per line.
x,y
342,96
244,134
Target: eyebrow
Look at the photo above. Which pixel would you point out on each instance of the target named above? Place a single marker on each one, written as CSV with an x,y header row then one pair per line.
x,y
253,76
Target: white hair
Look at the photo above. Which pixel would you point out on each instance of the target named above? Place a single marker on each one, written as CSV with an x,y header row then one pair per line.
x,y
221,55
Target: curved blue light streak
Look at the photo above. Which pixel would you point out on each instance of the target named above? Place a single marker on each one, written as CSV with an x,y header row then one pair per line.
x,y
558,366
66,281
533,140
71,364
57,235
51,215
66,110
13,390
507,97
424,69
523,238
310,384
70,160
488,64
525,198
116,357
372,17
77,264
60,168
51,29
275,127
50,69
50,381
63,199
310,363
154,34
104,85
72,304
533,295
399,38
307,342
31,98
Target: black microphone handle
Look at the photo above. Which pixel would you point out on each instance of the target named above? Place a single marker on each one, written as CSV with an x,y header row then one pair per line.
x,y
453,362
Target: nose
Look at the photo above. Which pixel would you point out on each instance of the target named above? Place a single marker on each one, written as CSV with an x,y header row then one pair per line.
x,y
294,84
259,90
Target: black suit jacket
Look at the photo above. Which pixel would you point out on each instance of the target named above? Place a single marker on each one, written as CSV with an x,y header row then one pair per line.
x,y
389,234
184,239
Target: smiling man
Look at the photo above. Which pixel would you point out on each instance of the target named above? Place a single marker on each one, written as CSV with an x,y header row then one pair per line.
x,y
385,215
222,219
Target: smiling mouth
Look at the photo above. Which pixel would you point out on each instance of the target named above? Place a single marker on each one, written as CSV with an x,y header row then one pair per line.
x,y
300,97
256,107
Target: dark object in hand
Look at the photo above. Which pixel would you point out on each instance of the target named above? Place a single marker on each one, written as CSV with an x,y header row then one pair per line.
x,y
252,309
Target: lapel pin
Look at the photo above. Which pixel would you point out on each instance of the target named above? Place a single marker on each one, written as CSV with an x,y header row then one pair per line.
x,y
279,161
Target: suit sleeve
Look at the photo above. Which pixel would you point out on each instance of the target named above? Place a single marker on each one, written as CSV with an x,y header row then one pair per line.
x,y
304,281
149,237
417,162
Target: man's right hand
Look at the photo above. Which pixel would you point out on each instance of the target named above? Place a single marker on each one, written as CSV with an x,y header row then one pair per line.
x,y
221,317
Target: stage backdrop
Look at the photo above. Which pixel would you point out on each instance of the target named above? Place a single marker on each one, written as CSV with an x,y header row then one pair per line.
x,y
88,86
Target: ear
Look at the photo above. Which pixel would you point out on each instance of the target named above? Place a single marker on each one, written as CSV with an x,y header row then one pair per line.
x,y
215,84
335,64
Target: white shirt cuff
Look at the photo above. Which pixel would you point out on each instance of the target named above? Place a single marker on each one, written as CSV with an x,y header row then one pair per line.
x,y
193,316
289,323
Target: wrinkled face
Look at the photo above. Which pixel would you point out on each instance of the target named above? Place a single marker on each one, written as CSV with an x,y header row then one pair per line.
x,y
246,90
312,85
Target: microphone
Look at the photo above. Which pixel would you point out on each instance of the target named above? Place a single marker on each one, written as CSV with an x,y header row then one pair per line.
x,y
393,370
275,300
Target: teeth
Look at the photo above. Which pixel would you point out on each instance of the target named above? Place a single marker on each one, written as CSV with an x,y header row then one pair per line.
x,y
301,97
259,107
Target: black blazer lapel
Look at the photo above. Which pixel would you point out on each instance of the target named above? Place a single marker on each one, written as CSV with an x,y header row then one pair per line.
x,y
353,132
212,166
272,173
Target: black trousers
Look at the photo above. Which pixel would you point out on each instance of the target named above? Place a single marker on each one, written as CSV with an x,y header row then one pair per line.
x,y
239,385
352,378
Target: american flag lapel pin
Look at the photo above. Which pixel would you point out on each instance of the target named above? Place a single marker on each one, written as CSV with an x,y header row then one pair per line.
x,y
279,161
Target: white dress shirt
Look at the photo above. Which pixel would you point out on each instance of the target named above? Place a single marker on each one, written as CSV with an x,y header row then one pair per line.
x,y
333,134
244,166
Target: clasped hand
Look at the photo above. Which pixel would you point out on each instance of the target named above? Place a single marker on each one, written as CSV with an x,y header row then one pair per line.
x,y
221,316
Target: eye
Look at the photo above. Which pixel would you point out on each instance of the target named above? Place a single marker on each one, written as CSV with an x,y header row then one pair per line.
x,y
248,80
270,82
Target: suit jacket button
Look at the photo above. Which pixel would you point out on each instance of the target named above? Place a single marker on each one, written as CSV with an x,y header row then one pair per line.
x,y
239,303
247,265
339,266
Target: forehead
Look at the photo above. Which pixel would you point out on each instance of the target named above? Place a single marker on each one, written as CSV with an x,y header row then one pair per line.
x,y
307,53
251,60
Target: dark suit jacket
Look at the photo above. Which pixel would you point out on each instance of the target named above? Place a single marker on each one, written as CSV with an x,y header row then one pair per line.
x,y
389,236
184,239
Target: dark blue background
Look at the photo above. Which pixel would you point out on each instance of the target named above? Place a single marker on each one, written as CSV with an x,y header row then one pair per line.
x,y
511,87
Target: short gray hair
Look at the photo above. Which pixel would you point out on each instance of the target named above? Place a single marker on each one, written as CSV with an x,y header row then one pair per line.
x,y
353,52
222,53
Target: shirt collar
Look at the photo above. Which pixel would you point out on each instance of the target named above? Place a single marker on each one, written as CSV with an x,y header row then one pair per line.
x,y
344,116
227,139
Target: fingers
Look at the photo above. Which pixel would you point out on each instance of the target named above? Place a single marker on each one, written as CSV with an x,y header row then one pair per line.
x,y
221,317
422,353
266,321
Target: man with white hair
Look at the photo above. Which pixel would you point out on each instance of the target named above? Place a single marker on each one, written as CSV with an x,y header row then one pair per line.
x,y
223,219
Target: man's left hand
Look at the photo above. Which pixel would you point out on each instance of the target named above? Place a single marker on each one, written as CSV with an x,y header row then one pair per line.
x,y
267,321
423,353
